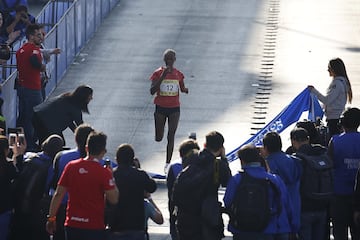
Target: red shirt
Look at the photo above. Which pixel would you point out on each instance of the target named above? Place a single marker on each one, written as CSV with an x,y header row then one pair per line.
x,y
168,94
29,76
86,182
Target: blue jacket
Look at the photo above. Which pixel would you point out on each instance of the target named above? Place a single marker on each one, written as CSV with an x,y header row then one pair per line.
x,y
346,158
289,169
281,223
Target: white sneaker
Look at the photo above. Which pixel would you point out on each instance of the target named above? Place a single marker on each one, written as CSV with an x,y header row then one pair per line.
x,y
166,168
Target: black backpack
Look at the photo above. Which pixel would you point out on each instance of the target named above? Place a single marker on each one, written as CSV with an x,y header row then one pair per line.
x,y
251,210
30,188
191,185
317,178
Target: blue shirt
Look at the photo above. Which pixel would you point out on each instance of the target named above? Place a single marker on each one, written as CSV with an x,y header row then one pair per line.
x,y
289,169
346,158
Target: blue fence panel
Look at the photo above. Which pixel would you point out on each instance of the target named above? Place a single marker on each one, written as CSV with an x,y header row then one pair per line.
x,y
97,13
70,36
105,8
90,18
61,40
51,66
10,98
80,25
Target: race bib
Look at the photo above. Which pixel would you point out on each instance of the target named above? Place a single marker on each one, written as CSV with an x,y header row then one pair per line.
x,y
169,87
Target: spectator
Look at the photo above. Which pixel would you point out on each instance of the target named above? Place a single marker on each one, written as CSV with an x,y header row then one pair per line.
x,y
8,172
190,223
19,21
166,82
55,115
60,161
6,40
337,94
85,179
289,170
151,209
8,6
188,152
29,65
126,220
46,54
313,211
153,212
344,150
280,224
32,192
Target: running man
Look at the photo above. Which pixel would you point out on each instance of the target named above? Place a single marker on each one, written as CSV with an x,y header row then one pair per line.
x,y
165,82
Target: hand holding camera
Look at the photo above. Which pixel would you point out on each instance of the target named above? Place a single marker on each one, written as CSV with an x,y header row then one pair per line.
x,y
17,140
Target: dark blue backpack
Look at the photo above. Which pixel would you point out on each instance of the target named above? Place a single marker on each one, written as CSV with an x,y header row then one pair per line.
x,y
30,187
251,209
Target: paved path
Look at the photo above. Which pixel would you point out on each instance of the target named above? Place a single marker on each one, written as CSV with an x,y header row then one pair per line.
x,y
232,52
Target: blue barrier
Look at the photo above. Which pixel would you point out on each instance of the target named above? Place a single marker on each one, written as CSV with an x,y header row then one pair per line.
x,y
70,24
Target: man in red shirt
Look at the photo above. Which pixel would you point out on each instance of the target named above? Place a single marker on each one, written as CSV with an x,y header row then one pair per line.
x,y
29,66
87,183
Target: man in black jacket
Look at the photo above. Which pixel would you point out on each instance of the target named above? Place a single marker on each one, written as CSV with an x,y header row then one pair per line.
x,y
127,218
192,223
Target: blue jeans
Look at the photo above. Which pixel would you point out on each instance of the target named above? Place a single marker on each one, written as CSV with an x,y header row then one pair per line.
x,y
313,225
4,224
84,234
28,99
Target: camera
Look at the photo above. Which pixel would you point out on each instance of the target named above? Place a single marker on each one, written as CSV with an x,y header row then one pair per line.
x,y
16,134
21,138
12,140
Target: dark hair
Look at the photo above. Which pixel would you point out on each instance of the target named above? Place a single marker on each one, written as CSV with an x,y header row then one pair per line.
x,y
4,145
299,134
80,97
96,143
52,145
186,146
249,153
338,67
214,141
188,151
30,30
81,134
272,142
311,129
350,118
20,8
125,154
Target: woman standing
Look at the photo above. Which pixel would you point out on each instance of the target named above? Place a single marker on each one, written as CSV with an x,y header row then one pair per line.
x,y
61,112
165,82
337,94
